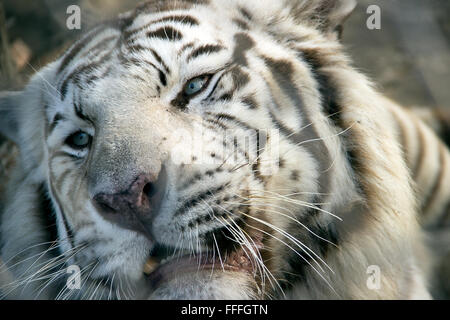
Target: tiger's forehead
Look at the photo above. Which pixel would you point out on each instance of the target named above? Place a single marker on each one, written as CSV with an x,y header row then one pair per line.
x,y
155,44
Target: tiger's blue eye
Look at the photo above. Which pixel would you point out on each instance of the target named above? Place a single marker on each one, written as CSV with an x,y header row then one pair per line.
x,y
79,140
195,85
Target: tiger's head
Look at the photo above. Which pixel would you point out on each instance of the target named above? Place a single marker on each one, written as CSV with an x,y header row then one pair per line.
x,y
172,153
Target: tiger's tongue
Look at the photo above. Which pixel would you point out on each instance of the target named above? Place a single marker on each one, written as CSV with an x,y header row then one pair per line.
x,y
158,273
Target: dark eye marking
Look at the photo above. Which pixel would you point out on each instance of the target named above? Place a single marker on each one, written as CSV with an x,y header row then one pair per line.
x,y
206,49
166,33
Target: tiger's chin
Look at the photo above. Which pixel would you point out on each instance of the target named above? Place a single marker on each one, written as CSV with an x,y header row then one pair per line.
x,y
207,285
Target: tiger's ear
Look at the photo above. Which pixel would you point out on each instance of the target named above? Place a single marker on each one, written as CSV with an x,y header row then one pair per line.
x,y
327,15
333,13
9,114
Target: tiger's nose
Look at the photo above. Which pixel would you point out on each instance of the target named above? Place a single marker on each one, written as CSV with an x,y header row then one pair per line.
x,y
135,207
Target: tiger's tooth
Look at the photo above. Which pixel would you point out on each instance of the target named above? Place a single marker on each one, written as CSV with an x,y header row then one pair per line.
x,y
150,265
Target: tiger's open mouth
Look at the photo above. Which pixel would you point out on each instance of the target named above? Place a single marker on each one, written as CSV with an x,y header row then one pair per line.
x,y
162,265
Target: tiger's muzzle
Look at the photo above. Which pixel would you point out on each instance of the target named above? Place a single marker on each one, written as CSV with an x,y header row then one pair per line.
x,y
136,207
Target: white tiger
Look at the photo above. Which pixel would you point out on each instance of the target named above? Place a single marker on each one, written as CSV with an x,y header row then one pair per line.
x,y
147,160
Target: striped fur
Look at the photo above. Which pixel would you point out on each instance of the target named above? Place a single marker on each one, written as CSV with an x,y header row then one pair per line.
x,y
344,192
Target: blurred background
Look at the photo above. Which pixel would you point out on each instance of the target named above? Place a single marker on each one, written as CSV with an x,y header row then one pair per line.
x,y
408,58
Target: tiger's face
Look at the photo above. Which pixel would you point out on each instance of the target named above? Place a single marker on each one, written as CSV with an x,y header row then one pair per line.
x,y
162,155
153,148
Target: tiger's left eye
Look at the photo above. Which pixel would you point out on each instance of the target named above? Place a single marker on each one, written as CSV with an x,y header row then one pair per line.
x,y
79,140
196,85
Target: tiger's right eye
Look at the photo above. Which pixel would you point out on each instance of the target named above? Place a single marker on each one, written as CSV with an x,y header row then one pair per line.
x,y
79,140
196,85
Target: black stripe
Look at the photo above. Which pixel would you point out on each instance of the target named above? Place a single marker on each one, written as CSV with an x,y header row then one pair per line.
x,y
243,43
283,74
161,74
185,47
193,201
48,217
299,266
217,121
422,151
104,74
327,90
101,45
246,14
85,69
231,118
80,114
213,90
234,210
68,229
78,46
166,33
137,47
439,181
330,97
240,78
250,102
241,24
205,49
443,116
160,60
58,117
198,177
183,19
256,165
152,6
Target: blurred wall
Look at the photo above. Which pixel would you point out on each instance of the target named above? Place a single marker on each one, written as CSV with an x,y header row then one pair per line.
x,y
409,57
